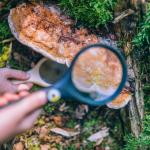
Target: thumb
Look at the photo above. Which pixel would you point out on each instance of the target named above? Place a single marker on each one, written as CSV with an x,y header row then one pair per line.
x,y
31,103
28,121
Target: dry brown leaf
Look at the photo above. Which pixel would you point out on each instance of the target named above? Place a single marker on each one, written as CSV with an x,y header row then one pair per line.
x,y
54,148
56,139
44,131
64,133
81,111
58,121
44,134
99,136
45,147
18,146
99,148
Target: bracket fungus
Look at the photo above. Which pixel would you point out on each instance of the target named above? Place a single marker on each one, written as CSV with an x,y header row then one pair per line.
x,y
121,101
48,31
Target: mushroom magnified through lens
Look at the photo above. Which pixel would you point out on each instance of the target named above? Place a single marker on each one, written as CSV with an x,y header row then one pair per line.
x,y
97,70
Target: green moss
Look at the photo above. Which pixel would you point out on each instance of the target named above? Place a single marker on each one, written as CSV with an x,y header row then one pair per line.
x,y
141,43
71,123
49,108
143,142
91,13
4,30
89,146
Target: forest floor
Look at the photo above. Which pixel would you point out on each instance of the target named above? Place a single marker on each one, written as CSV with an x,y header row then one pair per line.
x,y
67,125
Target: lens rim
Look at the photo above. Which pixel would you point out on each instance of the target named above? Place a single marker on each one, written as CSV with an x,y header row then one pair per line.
x,y
120,87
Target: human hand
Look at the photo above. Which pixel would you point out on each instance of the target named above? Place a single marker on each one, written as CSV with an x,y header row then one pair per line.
x,y
5,82
23,91
20,116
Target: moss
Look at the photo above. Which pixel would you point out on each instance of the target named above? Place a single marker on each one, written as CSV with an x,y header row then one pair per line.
x,y
143,142
4,30
71,123
141,44
92,13
89,146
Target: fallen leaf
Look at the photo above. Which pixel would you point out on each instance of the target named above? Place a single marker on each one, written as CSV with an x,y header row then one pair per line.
x,y
44,131
81,111
18,146
40,122
63,107
107,148
53,148
44,134
99,148
58,121
99,136
64,133
45,147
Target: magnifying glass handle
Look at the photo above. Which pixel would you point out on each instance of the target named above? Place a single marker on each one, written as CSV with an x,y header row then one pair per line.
x,y
58,91
15,81
53,94
34,78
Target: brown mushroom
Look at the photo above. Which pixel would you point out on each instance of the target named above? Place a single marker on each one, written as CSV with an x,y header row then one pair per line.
x,y
121,101
48,32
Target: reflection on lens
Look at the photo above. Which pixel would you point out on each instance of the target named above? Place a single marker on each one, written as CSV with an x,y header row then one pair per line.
x,y
97,70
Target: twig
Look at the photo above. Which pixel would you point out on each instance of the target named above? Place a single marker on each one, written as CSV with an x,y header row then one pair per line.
x,y
123,15
7,40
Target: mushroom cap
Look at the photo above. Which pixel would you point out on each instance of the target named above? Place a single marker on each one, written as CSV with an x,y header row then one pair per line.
x,y
121,101
48,32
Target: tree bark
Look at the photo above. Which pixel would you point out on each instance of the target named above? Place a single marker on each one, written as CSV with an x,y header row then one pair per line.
x,y
125,30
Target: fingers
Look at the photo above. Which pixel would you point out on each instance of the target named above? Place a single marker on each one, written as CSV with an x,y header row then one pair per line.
x,y
31,103
23,94
11,97
24,87
7,86
28,121
18,111
23,91
15,74
12,88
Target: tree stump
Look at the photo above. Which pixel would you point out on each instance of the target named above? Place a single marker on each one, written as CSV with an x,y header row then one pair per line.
x,y
125,29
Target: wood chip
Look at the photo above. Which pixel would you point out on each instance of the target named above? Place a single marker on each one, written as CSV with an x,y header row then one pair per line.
x,y
58,120
64,133
99,136
123,15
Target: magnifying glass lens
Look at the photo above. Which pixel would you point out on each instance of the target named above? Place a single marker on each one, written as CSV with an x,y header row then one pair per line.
x,y
97,71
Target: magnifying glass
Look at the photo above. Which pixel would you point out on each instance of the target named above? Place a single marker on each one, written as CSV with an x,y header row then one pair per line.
x,y
96,76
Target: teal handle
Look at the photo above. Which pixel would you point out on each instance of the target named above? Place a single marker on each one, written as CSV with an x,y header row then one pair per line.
x,y
65,88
